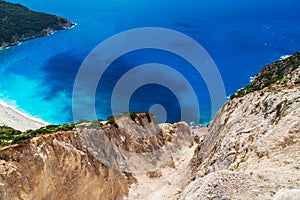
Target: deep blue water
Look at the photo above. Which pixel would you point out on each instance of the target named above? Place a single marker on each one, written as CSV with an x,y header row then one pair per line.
x,y
240,36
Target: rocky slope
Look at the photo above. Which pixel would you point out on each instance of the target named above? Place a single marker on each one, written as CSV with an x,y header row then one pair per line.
x,y
56,167
18,23
168,181
252,149
97,160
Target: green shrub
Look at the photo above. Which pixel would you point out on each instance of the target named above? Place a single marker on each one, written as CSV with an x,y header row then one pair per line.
x,y
51,129
11,136
65,127
7,134
8,131
132,115
20,138
4,143
111,120
95,124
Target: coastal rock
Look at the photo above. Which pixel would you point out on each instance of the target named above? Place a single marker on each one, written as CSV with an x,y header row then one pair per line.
x,y
138,145
56,167
252,149
71,164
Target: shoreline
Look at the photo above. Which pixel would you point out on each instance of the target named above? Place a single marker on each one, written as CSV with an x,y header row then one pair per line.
x,y
49,31
12,117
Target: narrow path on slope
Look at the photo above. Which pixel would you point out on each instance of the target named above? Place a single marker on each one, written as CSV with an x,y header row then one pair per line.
x,y
172,180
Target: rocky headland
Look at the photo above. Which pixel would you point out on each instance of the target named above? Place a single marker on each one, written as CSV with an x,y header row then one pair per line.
x,y
18,23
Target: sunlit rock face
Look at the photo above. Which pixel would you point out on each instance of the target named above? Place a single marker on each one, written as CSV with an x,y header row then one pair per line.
x,y
94,161
252,149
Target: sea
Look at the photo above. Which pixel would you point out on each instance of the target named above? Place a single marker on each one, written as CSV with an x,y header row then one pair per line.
x,y
37,76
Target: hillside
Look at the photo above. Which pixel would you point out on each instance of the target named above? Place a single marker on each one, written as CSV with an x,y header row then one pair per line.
x,y
252,149
18,23
271,74
64,162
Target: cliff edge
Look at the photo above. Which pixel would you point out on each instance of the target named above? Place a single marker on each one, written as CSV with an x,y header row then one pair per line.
x,y
252,149
95,160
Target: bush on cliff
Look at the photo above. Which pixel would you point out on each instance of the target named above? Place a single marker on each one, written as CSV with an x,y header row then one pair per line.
x,y
9,135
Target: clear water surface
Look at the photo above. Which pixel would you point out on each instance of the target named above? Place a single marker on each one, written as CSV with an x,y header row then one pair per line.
x,y
241,36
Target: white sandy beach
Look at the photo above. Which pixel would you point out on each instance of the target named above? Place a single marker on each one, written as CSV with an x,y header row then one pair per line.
x,y
16,119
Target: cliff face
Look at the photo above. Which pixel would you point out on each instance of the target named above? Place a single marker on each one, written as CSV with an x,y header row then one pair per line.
x,y
135,146
69,165
252,149
56,167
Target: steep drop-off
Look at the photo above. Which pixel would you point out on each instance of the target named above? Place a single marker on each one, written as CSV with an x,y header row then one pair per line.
x,y
95,160
252,149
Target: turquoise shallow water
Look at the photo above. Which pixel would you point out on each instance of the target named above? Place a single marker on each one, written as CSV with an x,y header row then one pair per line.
x,y
241,37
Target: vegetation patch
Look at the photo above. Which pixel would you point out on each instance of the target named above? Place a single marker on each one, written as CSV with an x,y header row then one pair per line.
x,y
134,114
111,120
18,22
96,124
270,74
10,136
